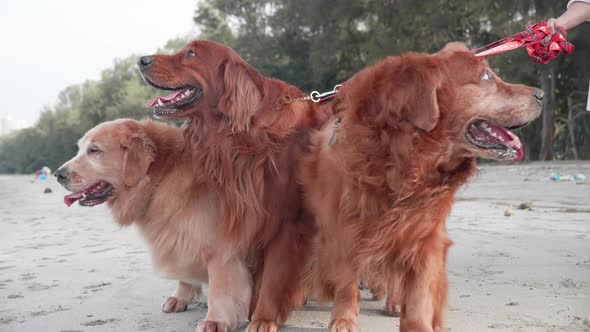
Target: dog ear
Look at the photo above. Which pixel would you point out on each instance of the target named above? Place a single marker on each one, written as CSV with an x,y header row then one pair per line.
x,y
139,155
422,107
241,96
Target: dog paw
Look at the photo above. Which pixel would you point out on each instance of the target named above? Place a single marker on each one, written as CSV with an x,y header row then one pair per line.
x,y
343,325
262,326
392,308
174,304
212,326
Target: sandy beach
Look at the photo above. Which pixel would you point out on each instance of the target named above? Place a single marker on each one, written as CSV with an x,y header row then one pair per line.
x,y
510,269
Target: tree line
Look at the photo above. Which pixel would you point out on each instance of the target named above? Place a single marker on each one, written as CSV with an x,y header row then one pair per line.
x,y
315,44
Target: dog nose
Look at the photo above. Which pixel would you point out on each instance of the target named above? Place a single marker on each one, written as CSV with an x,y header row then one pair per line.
x,y
145,61
538,93
62,175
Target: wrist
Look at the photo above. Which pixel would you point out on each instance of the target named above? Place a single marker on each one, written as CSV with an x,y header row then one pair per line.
x,y
562,22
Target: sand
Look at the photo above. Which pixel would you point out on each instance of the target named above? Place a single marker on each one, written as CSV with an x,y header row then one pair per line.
x,y
73,269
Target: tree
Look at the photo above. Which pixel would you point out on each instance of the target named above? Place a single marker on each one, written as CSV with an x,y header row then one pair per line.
x,y
120,93
315,44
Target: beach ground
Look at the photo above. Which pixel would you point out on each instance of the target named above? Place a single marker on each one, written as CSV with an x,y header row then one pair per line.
x,y
510,269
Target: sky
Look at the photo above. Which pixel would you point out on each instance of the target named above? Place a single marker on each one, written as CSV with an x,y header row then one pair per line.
x,y
47,45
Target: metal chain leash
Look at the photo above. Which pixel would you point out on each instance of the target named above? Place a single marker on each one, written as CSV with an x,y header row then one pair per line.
x,y
315,96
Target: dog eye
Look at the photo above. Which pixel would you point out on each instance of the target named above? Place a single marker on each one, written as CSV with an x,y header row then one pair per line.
x,y
486,76
93,149
191,53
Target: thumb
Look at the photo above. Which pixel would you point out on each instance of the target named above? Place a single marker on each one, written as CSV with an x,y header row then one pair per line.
x,y
551,24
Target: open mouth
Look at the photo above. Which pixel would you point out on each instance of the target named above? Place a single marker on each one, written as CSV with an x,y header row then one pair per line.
x,y
498,139
180,98
96,194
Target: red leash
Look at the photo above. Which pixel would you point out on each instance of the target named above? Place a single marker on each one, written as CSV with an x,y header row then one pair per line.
x,y
532,37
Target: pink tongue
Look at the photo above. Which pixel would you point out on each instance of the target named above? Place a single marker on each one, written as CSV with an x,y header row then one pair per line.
x,y
71,198
508,138
165,99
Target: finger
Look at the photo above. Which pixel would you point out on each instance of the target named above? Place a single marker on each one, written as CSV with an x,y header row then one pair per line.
x,y
551,23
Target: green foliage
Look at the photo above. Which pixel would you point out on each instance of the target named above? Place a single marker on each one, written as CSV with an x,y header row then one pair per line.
x,y
120,93
315,44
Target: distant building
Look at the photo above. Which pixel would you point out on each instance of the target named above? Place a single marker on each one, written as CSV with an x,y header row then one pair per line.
x,y
8,125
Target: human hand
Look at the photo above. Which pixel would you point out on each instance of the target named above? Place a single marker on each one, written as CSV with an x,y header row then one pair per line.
x,y
552,24
578,12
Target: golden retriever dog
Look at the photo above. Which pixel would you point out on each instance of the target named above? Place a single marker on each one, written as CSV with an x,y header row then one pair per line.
x,y
381,177
139,169
248,136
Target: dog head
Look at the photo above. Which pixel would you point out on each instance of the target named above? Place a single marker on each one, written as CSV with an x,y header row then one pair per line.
x,y
112,158
203,76
481,110
452,97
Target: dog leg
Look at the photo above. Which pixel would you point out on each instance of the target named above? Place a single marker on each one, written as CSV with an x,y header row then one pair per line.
x,y
377,289
393,305
345,310
181,298
425,301
282,281
230,290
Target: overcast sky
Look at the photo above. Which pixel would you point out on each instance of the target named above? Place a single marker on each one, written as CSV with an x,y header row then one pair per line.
x,y
50,44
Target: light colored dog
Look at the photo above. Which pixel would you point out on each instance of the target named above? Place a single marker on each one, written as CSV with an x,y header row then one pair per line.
x,y
139,170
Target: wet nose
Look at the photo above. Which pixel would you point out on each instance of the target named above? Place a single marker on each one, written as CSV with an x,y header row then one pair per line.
x,y
145,62
538,93
62,175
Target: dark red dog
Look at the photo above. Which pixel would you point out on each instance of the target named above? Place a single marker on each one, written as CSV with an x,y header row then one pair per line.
x,y
249,140
382,178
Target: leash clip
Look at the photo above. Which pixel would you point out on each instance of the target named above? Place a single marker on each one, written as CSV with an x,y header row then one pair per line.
x,y
317,97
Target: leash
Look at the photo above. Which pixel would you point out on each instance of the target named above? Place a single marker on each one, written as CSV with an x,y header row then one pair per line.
x,y
533,38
